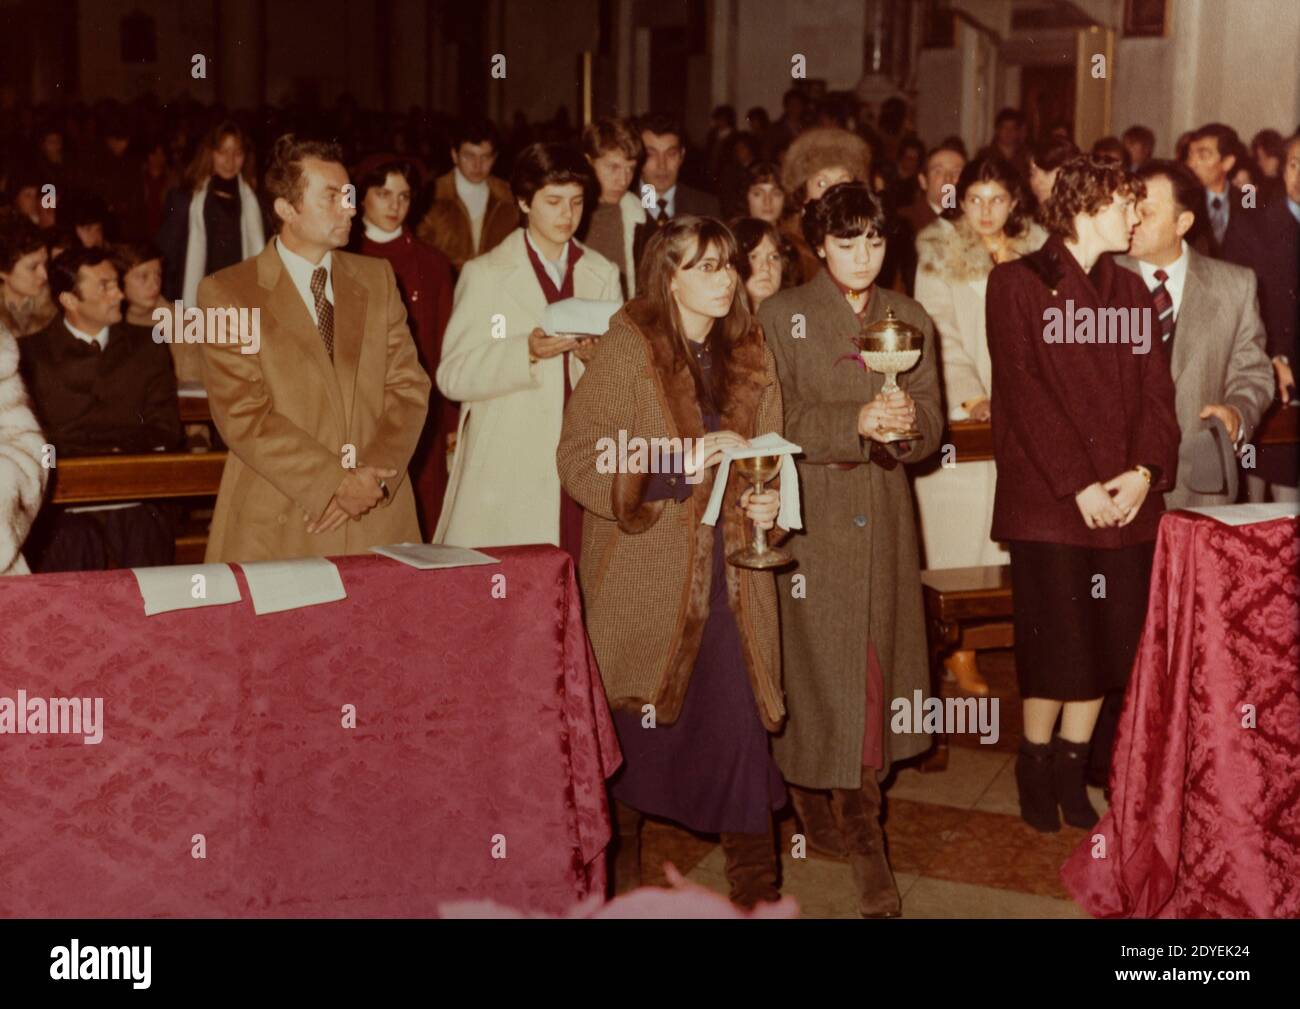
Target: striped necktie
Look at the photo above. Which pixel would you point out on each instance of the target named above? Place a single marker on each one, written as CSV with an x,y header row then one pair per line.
x,y
1164,308
324,310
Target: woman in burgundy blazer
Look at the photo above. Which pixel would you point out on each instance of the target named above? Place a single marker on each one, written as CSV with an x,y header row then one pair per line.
x,y
1085,438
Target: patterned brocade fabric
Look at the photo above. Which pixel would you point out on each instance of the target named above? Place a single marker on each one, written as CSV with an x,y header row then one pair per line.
x,y
477,718
1205,815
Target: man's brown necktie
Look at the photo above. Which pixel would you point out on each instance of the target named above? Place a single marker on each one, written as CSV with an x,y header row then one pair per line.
x,y
324,310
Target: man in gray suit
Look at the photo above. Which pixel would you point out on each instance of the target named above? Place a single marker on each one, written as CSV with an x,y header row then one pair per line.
x,y
1208,318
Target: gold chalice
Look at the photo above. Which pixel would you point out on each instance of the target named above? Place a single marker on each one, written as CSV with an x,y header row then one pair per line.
x,y
758,470
891,346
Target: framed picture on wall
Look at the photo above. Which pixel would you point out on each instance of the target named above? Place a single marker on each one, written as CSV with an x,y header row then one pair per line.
x,y
1146,17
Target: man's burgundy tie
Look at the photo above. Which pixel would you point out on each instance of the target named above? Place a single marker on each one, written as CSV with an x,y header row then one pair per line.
x,y
1164,307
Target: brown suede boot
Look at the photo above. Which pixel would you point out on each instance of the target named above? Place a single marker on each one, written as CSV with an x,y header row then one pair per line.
x,y
812,810
625,849
751,867
858,812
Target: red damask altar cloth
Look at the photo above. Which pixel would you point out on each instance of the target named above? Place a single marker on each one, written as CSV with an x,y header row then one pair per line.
x,y
1205,811
481,729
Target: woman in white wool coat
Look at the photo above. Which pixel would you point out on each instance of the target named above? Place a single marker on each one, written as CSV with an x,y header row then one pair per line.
x,y
955,500
22,477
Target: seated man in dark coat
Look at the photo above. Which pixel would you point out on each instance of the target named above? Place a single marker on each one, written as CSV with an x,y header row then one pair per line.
x,y
99,389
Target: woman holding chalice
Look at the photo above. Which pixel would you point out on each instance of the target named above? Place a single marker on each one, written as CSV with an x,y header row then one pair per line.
x,y
852,622
687,644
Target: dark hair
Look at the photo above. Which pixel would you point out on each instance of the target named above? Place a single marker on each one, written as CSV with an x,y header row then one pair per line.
x,y
666,253
1140,135
1187,189
128,255
1009,115
994,168
892,113
1271,141
64,269
1085,185
284,173
762,171
912,142
474,131
540,165
953,143
19,237
846,210
377,177
1051,153
947,145
750,232
727,113
1225,139
1110,147
86,209
759,113
661,126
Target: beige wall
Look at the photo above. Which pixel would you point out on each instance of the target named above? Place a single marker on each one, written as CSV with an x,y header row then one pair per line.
x,y
182,31
1224,60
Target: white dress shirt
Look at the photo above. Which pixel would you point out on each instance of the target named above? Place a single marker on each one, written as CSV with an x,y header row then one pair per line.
x,y
554,269
300,271
100,338
669,197
1177,277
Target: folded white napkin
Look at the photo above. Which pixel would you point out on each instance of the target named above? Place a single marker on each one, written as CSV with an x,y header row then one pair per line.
x,y
768,444
579,317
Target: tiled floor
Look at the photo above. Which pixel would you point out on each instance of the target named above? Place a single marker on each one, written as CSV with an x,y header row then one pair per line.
x,y
957,844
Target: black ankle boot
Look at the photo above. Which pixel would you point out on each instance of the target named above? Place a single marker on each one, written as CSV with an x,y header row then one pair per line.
x,y
1034,782
1069,768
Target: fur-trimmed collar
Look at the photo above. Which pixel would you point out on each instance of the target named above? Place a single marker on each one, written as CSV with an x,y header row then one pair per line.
x,y
957,253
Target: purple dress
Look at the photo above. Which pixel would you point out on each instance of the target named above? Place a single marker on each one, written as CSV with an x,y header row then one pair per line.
x,y
712,770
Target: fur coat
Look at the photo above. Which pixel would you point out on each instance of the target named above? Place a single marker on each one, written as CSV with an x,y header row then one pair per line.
x,y
22,477
952,275
647,567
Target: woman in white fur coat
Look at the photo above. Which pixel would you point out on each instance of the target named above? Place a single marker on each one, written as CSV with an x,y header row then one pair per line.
x,y
955,500
22,477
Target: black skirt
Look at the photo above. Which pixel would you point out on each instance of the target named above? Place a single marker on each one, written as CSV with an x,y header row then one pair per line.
x,y
1074,643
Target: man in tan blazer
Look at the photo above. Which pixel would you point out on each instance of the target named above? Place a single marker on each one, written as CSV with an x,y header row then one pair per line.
x,y
322,420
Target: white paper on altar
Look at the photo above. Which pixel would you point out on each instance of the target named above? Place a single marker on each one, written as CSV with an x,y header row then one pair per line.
x,y
173,588
579,317
1247,514
789,516
431,556
290,585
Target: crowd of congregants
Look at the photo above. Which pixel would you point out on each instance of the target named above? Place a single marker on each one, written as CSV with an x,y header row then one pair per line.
x,y
745,269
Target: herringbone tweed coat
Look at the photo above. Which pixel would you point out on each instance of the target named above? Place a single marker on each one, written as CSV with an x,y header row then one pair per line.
x,y
858,551
647,566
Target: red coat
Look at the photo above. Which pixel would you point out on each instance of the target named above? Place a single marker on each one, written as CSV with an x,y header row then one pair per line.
x,y
1066,415
424,278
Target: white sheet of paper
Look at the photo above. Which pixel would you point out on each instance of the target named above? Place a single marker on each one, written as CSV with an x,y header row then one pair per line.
x,y
579,316
789,517
430,556
191,390
1247,514
289,585
175,588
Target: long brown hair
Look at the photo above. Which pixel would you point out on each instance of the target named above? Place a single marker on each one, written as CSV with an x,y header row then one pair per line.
x,y
682,243
200,166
